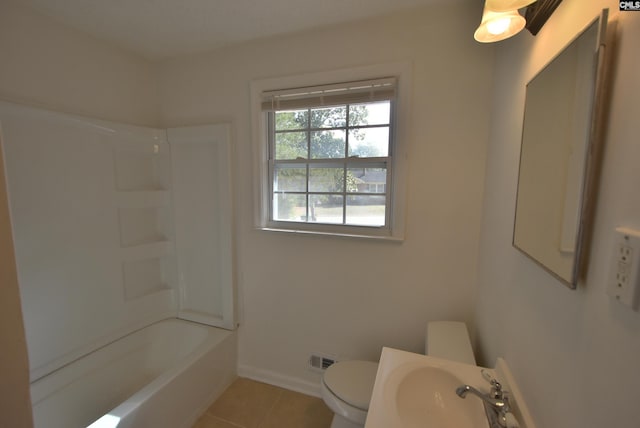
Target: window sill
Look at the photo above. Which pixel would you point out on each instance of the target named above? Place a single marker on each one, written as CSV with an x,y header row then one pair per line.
x,y
387,238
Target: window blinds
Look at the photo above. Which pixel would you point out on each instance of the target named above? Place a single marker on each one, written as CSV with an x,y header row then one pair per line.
x,y
364,91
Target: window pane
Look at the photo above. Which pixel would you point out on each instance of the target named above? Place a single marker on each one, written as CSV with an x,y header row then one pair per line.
x,y
365,210
329,164
370,114
330,117
291,145
367,180
326,179
292,119
287,207
327,144
369,142
326,208
290,179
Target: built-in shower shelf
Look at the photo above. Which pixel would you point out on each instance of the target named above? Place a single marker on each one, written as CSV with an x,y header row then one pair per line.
x,y
160,295
143,225
143,198
142,166
144,217
144,276
149,241
139,291
146,251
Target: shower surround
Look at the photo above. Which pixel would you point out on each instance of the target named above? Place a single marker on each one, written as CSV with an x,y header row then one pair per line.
x,y
117,227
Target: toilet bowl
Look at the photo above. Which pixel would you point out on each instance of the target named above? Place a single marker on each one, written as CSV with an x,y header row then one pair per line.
x,y
346,386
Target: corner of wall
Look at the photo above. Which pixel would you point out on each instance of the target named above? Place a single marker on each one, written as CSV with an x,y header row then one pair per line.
x,y
15,405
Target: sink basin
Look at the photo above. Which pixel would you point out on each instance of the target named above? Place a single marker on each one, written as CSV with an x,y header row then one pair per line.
x,y
428,394
417,391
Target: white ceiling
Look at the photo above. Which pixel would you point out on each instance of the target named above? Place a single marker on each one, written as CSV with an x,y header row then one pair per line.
x,y
163,28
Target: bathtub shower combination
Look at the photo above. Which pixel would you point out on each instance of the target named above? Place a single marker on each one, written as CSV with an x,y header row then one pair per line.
x,y
163,375
124,252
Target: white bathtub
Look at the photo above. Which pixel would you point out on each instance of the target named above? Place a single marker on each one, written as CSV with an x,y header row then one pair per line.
x,y
163,376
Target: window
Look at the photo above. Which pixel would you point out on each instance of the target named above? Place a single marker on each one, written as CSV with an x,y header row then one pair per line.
x,y
329,158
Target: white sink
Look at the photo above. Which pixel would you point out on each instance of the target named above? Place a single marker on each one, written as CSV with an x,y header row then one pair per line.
x,y
418,391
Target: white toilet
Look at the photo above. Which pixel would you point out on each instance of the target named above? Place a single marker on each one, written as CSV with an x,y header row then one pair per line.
x,y
346,386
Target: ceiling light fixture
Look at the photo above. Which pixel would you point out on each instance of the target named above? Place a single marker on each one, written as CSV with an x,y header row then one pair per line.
x,y
500,25
507,5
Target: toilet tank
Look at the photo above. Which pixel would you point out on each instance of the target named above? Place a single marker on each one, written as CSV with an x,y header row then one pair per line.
x,y
449,340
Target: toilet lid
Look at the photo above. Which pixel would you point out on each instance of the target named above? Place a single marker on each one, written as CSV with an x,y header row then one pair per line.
x,y
352,381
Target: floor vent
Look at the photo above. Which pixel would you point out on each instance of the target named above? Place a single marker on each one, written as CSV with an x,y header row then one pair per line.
x,y
320,362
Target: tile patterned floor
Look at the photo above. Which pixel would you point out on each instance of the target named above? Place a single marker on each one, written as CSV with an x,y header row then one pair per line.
x,y
250,404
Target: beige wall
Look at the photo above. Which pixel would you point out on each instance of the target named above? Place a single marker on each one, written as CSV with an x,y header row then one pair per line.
x,y
303,294
15,402
48,65
349,297
575,353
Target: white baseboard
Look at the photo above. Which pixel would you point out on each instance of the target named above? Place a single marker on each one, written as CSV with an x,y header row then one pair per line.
x,y
277,379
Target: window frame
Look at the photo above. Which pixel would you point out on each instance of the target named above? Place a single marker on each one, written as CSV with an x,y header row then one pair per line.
x,y
344,163
396,159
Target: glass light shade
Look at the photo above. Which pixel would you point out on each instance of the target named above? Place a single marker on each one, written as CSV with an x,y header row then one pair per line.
x,y
507,5
496,26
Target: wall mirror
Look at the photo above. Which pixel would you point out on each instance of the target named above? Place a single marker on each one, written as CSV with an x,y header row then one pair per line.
x,y
557,160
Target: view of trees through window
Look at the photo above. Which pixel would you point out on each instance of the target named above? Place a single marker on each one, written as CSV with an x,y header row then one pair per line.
x,y
330,164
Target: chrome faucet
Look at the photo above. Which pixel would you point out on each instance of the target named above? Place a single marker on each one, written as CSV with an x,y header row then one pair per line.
x,y
500,404
496,403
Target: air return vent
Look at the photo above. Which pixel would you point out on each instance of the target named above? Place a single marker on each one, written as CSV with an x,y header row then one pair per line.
x,y
318,362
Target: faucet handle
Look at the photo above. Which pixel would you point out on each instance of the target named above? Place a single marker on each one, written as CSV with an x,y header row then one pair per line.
x,y
487,376
496,387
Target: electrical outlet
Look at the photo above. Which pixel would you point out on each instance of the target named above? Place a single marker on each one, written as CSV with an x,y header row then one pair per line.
x,y
624,280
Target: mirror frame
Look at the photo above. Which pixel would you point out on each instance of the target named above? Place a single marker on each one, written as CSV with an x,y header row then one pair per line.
x,y
593,147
